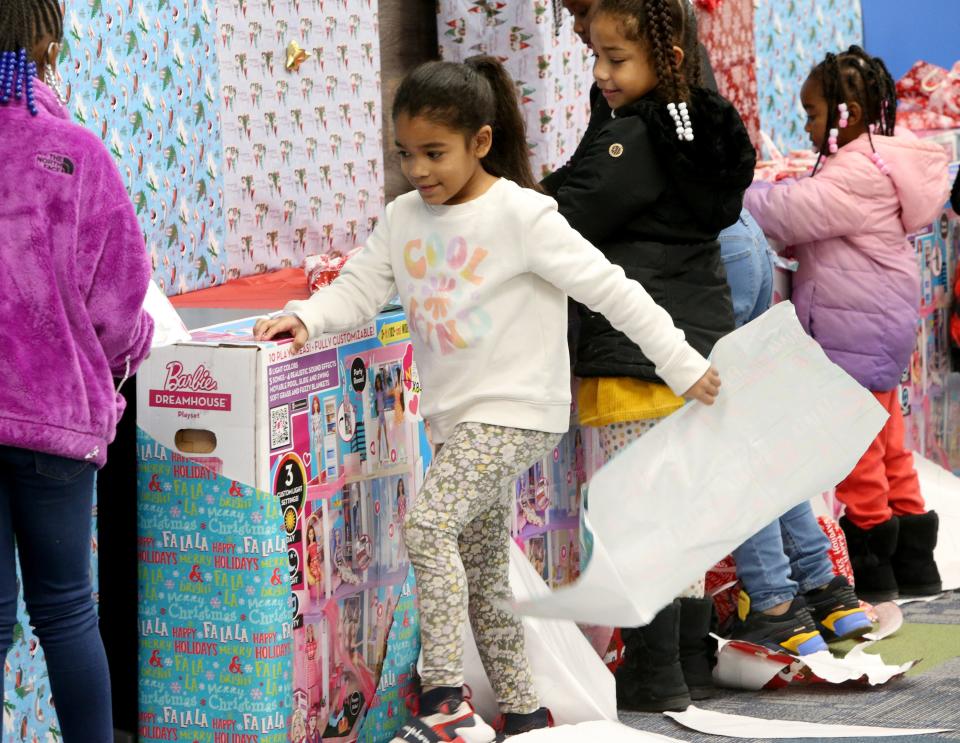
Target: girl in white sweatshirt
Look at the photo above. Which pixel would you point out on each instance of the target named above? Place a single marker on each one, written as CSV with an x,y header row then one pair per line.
x,y
483,264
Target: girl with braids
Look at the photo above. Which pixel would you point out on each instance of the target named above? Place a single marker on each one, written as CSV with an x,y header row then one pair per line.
x,y
659,174
857,292
483,264
73,276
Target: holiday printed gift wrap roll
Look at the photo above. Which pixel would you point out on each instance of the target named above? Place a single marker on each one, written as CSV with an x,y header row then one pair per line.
x,y
551,67
236,162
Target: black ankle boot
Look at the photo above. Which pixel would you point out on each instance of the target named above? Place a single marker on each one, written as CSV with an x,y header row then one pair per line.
x,y
650,678
870,552
697,648
517,724
913,563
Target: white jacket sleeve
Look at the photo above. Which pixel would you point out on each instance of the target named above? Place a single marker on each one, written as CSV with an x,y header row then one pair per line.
x,y
560,255
358,293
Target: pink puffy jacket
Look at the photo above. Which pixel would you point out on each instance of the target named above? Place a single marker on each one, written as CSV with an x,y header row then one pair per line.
x,y
857,291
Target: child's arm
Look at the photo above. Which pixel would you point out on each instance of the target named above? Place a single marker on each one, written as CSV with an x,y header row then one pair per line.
x,y
617,176
355,297
795,212
558,254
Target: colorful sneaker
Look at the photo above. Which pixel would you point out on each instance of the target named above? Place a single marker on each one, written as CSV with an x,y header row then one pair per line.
x,y
516,724
794,631
836,610
454,722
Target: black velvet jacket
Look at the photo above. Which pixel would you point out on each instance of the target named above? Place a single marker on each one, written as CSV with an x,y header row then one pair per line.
x,y
654,205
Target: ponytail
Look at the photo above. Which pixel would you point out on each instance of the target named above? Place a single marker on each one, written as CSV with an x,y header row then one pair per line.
x,y
467,97
509,155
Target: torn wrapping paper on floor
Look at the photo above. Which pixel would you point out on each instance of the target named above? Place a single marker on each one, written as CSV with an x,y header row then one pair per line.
x,y
740,726
888,618
591,732
745,665
788,424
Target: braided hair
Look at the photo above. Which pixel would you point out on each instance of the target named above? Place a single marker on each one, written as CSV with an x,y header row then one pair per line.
x,y
855,76
692,65
659,25
24,22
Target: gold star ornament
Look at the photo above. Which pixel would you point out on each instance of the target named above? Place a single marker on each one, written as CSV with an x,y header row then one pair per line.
x,y
296,56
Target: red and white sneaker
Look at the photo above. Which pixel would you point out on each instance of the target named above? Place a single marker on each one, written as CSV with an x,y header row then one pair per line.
x,y
455,722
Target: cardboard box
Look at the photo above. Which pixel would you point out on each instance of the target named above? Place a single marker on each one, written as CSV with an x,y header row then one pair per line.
x,y
276,595
547,514
924,400
272,489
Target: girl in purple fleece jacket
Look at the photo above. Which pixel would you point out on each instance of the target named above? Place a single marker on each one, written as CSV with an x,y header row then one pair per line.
x,y
73,275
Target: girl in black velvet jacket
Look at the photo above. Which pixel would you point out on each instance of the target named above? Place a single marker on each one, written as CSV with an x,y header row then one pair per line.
x,y
660,172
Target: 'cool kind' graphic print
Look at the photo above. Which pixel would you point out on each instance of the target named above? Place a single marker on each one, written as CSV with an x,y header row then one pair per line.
x,y
444,308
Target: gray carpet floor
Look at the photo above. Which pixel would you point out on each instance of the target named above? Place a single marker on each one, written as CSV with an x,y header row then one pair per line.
x,y
928,700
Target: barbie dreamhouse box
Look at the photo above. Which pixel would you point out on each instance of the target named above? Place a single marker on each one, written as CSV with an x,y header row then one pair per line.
x,y
276,600
272,488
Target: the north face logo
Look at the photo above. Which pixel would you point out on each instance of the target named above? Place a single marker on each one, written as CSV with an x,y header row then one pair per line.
x,y
55,163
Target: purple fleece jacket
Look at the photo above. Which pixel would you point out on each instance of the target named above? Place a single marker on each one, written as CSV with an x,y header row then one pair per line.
x,y
73,275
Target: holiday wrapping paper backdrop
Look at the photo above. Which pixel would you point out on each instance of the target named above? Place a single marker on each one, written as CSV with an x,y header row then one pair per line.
x,y
791,37
726,29
236,165
144,77
302,155
551,67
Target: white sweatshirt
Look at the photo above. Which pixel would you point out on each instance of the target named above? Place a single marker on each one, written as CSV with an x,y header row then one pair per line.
x,y
484,285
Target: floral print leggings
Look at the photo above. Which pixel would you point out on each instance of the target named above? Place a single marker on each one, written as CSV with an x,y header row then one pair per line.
x,y
458,537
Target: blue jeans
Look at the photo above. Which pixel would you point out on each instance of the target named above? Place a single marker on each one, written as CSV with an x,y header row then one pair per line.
x,y
785,557
45,506
749,263
791,553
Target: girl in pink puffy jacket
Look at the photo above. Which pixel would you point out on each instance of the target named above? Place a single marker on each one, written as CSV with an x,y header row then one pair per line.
x,y
857,292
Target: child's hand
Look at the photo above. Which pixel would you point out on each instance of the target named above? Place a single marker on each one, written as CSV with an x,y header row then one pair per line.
x,y
707,389
268,328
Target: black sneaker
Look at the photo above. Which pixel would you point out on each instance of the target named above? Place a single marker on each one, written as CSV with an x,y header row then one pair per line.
x,y
794,631
836,610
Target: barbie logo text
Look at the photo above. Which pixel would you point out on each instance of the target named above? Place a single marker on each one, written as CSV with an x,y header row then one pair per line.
x,y
201,380
194,391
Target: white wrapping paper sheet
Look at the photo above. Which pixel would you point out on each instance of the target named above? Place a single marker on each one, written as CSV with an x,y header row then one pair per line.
x,y
168,328
788,424
740,726
591,732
